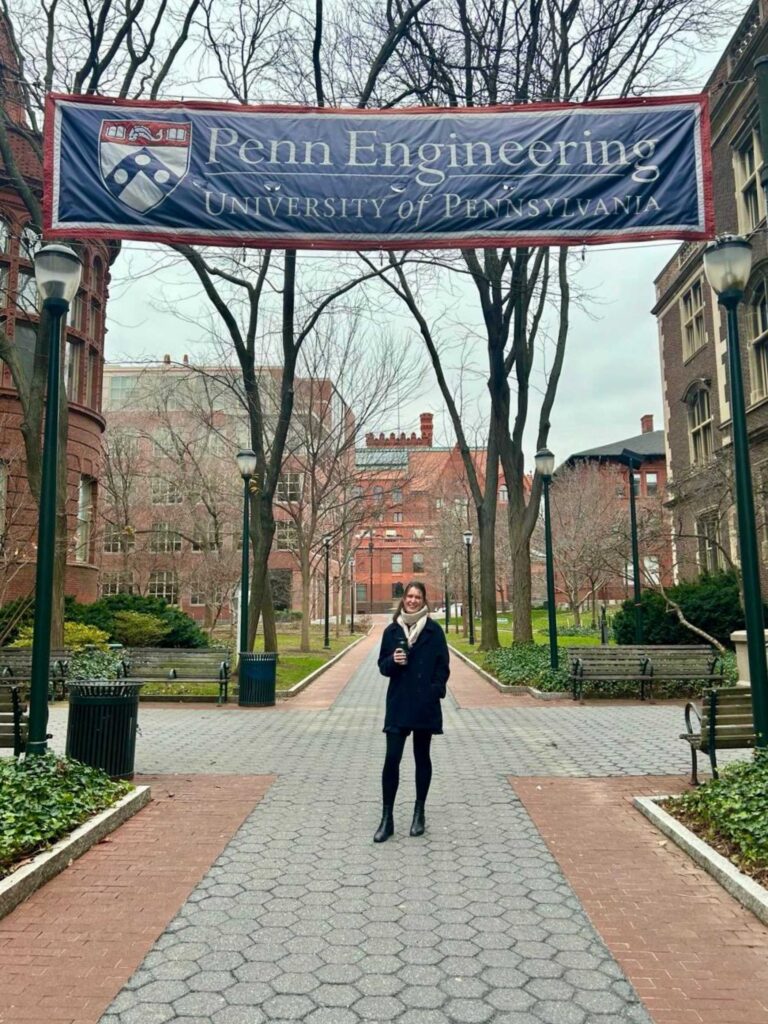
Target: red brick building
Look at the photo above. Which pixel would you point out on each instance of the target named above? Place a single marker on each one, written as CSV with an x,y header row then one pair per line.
x,y
82,360
692,328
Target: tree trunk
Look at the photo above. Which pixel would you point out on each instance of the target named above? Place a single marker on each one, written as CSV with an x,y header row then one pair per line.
x,y
268,618
306,583
522,628
489,630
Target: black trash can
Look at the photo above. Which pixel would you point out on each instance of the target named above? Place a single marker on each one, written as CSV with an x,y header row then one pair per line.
x,y
101,731
256,679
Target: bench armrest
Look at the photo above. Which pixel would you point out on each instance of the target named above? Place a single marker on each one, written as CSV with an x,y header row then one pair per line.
x,y
690,707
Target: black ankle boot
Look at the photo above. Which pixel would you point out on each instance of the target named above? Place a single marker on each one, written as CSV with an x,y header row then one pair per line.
x,y
387,826
417,825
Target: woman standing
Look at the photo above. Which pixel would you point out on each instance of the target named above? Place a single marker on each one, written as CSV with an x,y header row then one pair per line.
x,y
414,654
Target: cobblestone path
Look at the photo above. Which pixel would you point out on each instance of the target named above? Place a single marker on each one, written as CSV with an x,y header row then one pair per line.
x,y
303,918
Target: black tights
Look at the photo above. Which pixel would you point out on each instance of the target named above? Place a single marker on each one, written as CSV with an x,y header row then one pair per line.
x,y
390,777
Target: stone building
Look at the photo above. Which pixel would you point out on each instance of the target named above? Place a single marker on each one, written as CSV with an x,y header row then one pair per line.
x,y
692,328
82,359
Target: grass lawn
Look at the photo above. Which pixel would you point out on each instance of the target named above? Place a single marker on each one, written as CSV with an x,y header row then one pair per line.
x,y
540,633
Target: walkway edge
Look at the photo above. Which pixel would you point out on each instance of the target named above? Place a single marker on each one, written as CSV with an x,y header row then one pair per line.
x,y
505,687
746,890
303,683
22,883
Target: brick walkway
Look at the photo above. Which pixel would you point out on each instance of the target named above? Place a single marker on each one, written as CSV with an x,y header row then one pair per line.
x,y
558,905
67,951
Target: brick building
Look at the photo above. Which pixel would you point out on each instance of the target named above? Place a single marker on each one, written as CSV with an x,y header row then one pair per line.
x,y
82,358
418,505
692,328
650,481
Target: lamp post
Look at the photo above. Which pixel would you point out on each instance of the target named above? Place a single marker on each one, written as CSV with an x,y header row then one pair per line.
x,y
727,265
57,273
632,460
468,542
352,594
545,467
327,547
246,464
370,559
446,566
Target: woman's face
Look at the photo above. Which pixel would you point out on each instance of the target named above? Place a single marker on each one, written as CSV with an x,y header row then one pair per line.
x,y
413,600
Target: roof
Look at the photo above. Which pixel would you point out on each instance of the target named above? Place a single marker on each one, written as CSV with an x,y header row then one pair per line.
x,y
650,444
368,458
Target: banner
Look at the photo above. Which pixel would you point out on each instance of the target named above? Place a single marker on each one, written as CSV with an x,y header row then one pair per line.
x,y
291,177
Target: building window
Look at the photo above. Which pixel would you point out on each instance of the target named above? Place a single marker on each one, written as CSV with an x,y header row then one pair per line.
x,y
164,539
162,443
95,331
116,583
361,593
84,518
165,492
398,590
378,495
757,319
438,503
749,194
700,427
418,563
121,388
503,494
285,535
5,235
651,569
207,540
289,487
3,501
197,598
708,534
163,585
27,295
397,496
117,539
72,362
29,243
357,492
3,284
77,312
397,563
91,379
651,484
692,312
397,517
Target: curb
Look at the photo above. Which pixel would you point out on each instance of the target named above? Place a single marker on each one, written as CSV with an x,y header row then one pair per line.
x,y
22,883
298,687
746,890
504,687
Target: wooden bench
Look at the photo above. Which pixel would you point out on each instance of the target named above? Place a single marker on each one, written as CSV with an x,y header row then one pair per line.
x,y
725,722
642,663
16,669
13,720
179,665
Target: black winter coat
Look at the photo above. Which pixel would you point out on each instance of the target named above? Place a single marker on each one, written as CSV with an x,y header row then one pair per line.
x,y
416,689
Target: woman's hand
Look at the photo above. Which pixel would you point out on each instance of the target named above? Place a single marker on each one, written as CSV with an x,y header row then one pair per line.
x,y
400,657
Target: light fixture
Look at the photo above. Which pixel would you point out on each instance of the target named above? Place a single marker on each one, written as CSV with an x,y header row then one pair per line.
x,y
545,462
467,535
727,263
246,463
327,540
57,272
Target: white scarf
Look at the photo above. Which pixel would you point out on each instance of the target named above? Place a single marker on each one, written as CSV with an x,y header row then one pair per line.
x,y
412,623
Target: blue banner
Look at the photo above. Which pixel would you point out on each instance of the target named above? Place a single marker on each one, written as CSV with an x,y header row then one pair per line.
x,y
287,177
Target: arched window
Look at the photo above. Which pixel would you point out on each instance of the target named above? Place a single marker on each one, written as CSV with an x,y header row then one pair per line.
x,y
700,432
30,242
757,327
5,236
98,275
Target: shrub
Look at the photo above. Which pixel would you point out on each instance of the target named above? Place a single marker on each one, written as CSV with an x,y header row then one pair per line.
x,y
528,665
44,797
732,809
77,636
93,664
183,631
136,629
712,603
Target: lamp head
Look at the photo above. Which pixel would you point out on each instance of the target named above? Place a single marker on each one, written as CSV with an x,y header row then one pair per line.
x,y
246,463
467,535
57,272
545,462
446,566
727,264
326,541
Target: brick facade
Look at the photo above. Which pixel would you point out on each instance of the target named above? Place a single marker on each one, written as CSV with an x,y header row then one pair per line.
x,y
692,329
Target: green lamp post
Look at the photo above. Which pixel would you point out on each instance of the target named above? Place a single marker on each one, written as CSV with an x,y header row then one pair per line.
x,y
326,632
57,273
247,464
545,467
467,535
727,265
446,566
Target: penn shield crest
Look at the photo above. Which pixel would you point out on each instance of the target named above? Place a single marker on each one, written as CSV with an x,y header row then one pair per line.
x,y
143,161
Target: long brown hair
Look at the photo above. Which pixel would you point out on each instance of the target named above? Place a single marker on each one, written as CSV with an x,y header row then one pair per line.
x,y
418,584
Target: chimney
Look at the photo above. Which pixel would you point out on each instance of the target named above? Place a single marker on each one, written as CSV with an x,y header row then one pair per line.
x,y
185,360
167,359
426,428
646,424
